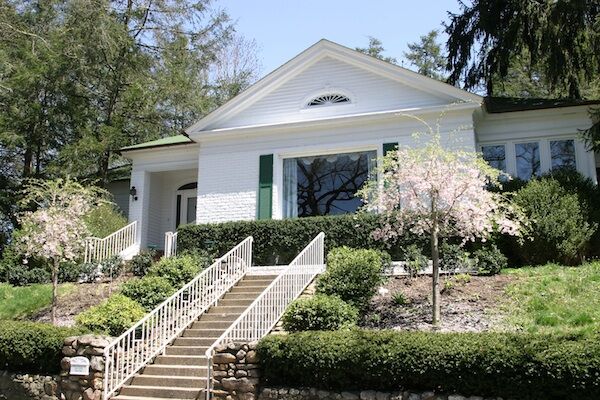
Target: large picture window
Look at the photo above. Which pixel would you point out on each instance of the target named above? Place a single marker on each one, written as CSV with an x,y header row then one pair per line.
x,y
325,185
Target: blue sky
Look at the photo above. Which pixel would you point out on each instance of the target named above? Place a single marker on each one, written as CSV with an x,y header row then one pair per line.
x,y
284,28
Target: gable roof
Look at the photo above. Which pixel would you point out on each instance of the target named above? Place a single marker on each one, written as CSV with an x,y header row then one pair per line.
x,y
496,105
316,52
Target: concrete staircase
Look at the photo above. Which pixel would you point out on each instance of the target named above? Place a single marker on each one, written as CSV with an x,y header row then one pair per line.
x,y
181,372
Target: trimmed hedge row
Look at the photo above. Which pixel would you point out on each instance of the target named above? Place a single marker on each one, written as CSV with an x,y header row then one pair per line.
x,y
31,346
513,365
279,241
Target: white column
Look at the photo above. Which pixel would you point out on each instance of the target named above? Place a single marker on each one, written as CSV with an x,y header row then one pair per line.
x,y
139,206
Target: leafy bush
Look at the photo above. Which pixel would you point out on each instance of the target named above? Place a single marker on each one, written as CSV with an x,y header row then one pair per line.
x,y
490,260
177,270
353,274
415,260
104,219
32,346
148,291
560,230
141,263
510,365
112,267
453,257
74,272
317,313
19,271
111,317
279,241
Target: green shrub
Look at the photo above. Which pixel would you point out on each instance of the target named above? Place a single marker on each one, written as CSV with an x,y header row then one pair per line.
x,y
148,291
31,346
279,241
490,260
560,230
399,299
177,270
141,263
75,272
104,220
509,365
20,271
318,313
112,267
111,317
353,274
453,257
415,260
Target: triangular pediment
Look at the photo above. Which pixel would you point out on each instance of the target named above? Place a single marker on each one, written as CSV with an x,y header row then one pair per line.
x,y
326,73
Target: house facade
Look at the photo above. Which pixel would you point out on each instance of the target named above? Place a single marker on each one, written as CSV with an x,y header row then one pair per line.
x,y
301,141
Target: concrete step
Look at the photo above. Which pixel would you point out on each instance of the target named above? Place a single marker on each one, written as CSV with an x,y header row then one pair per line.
x,y
199,360
254,282
204,340
186,350
236,302
165,392
176,370
247,289
227,309
239,296
201,333
169,381
209,325
221,317
259,278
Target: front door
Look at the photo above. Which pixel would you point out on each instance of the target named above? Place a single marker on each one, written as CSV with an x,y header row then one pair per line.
x,y
187,206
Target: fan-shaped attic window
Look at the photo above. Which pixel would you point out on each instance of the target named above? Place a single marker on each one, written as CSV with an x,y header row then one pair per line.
x,y
328,99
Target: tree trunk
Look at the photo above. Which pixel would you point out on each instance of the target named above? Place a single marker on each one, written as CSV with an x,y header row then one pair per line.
x,y
435,257
54,290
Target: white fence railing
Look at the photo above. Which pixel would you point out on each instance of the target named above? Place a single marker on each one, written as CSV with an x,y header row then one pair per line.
x,y
264,312
170,244
97,249
131,351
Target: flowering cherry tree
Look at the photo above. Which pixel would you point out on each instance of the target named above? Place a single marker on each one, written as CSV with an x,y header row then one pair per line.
x,y
55,231
439,193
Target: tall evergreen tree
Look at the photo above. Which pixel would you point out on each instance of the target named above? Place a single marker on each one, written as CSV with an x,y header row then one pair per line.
x,y
427,56
375,49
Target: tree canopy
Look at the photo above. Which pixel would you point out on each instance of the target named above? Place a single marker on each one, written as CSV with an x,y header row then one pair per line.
x,y
558,41
428,56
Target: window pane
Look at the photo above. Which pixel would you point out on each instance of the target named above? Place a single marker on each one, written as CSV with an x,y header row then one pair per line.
x,y
191,210
563,154
495,156
528,160
325,185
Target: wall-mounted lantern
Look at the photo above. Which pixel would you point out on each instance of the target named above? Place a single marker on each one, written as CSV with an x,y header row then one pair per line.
x,y
133,193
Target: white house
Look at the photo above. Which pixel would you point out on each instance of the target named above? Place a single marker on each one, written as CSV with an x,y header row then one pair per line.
x,y
299,142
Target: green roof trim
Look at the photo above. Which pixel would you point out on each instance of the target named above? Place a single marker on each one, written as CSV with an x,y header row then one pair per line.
x,y
168,141
510,104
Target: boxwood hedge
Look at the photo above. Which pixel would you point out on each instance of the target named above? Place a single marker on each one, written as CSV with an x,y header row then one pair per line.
x,y
279,241
32,346
510,365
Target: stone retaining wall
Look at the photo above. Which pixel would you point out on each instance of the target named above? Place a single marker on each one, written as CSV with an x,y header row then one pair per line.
x,y
74,387
235,371
14,386
281,393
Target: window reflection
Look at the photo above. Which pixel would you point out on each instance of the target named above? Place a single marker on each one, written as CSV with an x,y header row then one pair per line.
x,y
528,160
563,154
495,156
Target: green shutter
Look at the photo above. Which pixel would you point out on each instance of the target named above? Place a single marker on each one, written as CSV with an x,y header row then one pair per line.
x,y
265,187
389,147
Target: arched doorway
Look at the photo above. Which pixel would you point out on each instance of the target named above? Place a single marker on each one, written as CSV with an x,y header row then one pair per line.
x,y
186,204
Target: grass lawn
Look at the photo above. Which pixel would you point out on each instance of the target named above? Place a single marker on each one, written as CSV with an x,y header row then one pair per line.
x,y
555,298
17,302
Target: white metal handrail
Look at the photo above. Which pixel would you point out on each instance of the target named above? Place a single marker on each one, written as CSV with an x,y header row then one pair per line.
x,y
170,244
99,249
264,312
135,348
